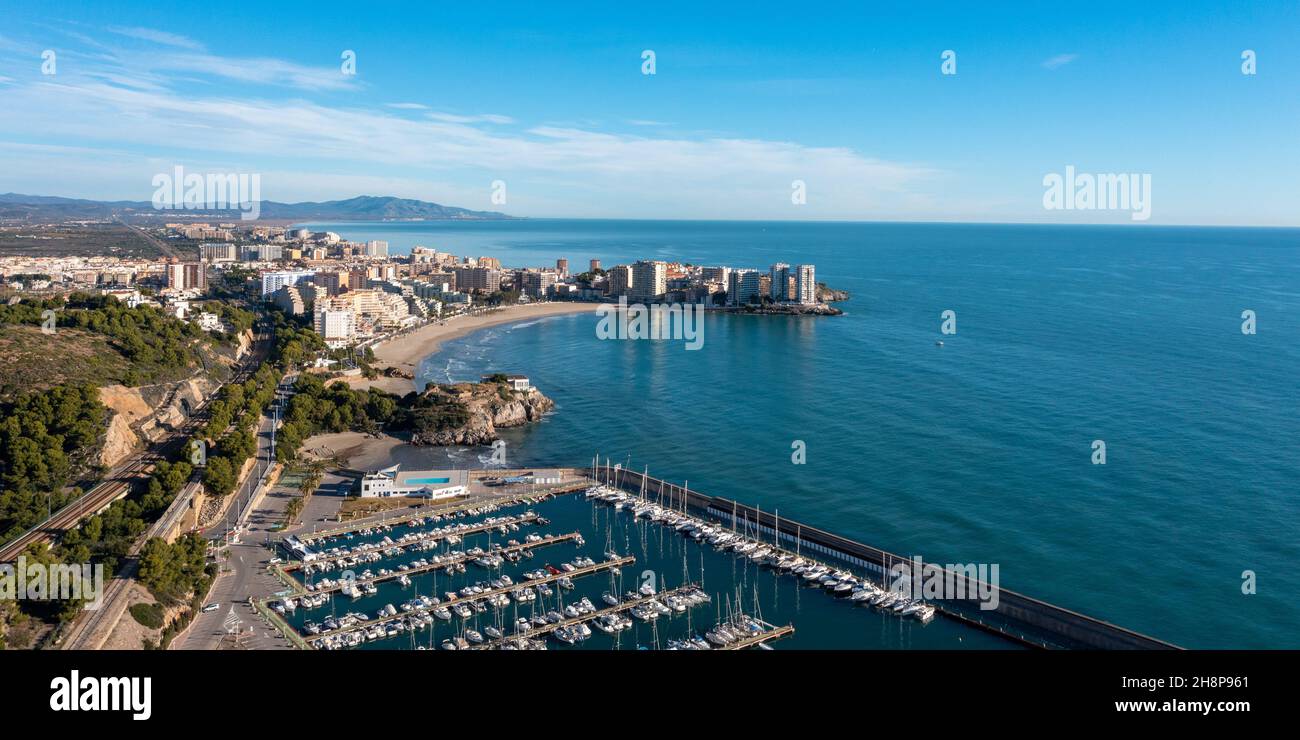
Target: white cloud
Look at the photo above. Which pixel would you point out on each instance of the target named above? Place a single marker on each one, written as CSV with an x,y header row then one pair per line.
x,y
132,116
1060,60
260,70
481,118
156,36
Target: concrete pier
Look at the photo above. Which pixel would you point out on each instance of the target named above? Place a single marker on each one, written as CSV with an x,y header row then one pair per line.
x,y
1017,617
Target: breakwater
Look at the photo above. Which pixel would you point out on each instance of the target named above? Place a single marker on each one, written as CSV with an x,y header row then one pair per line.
x,y
1016,616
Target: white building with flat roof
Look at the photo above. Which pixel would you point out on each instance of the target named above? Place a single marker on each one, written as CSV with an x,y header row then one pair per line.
x,y
336,326
434,484
273,281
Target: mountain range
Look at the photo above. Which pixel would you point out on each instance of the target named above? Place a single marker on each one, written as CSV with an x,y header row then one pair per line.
x,y
360,208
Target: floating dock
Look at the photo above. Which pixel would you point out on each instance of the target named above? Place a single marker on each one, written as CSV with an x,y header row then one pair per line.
x,y
547,539
1017,617
570,621
774,632
488,593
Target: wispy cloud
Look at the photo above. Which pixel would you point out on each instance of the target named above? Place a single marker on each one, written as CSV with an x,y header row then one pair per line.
x,y
573,169
1060,60
134,113
259,70
481,118
156,36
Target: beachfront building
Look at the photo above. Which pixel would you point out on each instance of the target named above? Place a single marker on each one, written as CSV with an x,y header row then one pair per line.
x,y
620,280
516,382
434,484
744,286
806,284
478,279
649,280
377,249
337,326
719,275
537,284
781,282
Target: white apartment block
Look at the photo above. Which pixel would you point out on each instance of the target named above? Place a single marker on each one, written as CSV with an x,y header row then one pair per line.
x,y
649,280
336,326
273,281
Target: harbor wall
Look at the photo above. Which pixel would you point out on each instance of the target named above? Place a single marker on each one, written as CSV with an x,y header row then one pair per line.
x,y
1017,617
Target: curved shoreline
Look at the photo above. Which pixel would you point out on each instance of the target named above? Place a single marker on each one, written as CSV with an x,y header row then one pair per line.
x,y
406,352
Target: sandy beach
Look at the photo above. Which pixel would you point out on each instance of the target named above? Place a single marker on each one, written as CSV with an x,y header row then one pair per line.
x,y
406,351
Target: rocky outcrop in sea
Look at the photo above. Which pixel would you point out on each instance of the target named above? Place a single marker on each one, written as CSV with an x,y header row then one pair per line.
x,y
471,413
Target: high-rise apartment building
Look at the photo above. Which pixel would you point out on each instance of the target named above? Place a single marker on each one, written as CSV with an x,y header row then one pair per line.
x,y
744,286
649,280
806,284
187,276
620,280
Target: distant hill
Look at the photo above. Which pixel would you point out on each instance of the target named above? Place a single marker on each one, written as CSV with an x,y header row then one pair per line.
x,y
360,208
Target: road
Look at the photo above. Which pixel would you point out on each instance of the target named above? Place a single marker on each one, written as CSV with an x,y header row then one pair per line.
x,y
118,483
93,627
162,246
243,533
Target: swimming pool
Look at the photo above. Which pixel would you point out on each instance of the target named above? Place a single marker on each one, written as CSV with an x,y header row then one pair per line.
x,y
426,481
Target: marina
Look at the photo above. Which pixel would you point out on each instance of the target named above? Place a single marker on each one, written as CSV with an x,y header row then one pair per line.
x,y
473,579
711,574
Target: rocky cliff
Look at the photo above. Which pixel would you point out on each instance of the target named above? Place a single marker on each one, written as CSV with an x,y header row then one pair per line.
x,y
148,413
829,295
470,413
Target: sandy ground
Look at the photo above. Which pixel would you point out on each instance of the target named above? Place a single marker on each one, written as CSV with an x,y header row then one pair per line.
x,y
396,386
363,452
407,350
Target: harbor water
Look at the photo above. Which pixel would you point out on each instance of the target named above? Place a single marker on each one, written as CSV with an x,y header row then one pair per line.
x,y
977,451
665,559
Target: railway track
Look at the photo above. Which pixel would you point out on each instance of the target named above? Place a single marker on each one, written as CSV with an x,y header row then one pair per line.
x,y
119,483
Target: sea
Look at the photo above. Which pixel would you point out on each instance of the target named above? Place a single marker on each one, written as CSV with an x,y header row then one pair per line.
x,y
1114,420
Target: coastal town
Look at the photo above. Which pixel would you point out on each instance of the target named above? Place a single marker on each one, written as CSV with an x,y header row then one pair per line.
x,y
270,332
271,464
356,292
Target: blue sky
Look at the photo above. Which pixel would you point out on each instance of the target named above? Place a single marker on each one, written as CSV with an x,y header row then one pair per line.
x,y
746,99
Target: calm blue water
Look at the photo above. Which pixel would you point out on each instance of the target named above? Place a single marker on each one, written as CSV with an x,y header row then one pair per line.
x,y
821,620
977,451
